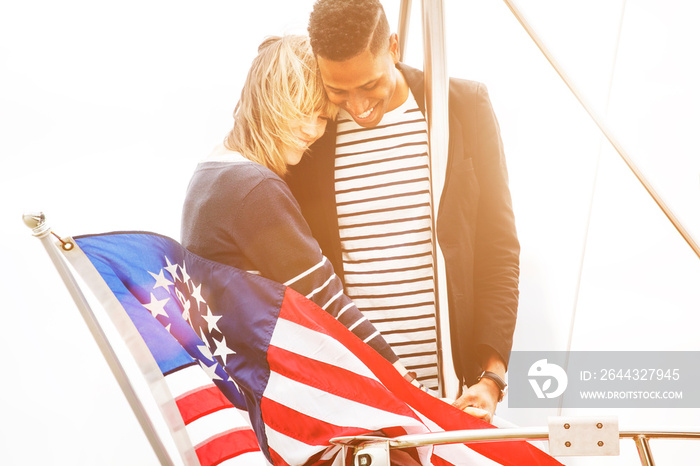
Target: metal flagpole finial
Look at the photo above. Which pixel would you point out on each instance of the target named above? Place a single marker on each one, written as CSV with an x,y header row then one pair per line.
x,y
37,222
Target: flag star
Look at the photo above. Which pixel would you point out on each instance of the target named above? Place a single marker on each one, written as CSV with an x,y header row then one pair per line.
x,y
197,293
222,349
211,320
161,280
185,276
157,306
210,370
172,268
186,311
180,297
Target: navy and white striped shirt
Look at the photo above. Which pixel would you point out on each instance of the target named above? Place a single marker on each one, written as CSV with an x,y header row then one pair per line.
x,y
382,184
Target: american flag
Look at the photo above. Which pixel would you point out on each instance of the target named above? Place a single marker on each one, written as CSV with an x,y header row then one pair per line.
x,y
295,373
144,278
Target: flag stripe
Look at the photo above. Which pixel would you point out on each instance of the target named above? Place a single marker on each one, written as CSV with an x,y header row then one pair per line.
x,y
307,430
186,379
247,459
450,418
332,409
334,380
293,337
215,423
226,445
200,402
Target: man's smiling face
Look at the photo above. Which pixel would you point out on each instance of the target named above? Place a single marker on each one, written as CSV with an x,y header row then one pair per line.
x,y
366,85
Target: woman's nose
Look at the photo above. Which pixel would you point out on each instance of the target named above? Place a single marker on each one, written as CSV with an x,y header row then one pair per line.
x,y
313,128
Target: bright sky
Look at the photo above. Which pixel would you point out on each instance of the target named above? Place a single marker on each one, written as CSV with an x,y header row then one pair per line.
x,y
106,108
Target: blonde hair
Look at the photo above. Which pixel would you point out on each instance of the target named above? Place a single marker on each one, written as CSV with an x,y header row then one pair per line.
x,y
283,85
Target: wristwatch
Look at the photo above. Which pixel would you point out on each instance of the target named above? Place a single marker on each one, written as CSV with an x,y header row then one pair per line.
x,y
500,383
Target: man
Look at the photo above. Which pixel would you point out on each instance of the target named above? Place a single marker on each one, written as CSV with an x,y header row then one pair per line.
x,y
364,190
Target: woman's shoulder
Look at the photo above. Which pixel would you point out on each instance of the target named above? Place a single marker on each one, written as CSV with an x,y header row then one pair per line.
x,y
231,165
226,174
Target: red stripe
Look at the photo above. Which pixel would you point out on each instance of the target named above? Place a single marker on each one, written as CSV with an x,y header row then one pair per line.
x,y
277,460
296,308
335,380
301,427
200,402
226,445
437,461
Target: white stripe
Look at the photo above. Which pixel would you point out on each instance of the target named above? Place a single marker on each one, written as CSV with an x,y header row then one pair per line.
x,y
381,277
397,302
402,337
347,306
456,453
415,160
369,338
252,458
330,279
330,301
291,450
308,343
215,423
334,409
391,264
359,321
381,178
371,133
391,252
305,273
393,190
415,323
187,379
423,282
407,312
417,348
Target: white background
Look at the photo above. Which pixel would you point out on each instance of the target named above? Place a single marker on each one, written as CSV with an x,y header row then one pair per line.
x,y
105,109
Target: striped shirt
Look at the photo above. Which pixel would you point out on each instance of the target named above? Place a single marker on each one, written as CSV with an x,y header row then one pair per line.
x,y
382,185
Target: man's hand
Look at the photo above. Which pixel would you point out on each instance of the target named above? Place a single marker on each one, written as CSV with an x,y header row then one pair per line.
x,y
480,399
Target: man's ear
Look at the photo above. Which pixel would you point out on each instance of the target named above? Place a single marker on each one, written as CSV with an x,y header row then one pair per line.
x,y
394,47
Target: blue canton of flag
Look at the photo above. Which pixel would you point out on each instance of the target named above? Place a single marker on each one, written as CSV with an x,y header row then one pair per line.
x,y
148,276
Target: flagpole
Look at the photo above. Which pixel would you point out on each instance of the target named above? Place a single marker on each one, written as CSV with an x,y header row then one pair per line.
x,y
404,21
436,104
37,222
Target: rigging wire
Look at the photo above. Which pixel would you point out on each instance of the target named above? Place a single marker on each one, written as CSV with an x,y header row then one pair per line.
x,y
604,128
589,215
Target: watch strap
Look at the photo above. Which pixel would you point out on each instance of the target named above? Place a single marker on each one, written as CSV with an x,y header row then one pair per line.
x,y
500,383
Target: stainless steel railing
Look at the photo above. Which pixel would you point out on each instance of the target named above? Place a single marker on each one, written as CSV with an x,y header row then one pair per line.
x,y
373,447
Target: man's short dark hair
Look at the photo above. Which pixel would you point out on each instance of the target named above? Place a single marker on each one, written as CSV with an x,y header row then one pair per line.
x,y
342,29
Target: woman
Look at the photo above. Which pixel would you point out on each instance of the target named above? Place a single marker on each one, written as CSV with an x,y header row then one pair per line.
x,y
239,211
